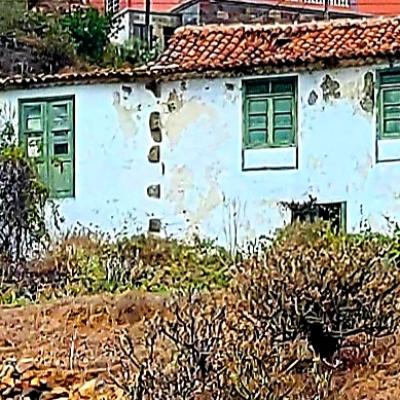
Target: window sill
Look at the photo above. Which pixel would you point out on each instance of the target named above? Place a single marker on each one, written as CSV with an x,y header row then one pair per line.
x,y
269,158
388,149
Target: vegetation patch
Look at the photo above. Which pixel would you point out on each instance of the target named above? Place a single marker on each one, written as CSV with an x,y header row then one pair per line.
x,y
79,40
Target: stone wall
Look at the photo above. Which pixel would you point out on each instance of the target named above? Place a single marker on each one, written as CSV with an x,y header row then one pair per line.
x,y
18,57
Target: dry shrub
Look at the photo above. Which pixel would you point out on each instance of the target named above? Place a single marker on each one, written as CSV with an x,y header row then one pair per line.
x,y
293,323
23,232
337,293
199,350
325,287
191,366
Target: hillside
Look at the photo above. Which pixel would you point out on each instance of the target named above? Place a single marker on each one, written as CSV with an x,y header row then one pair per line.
x,y
63,350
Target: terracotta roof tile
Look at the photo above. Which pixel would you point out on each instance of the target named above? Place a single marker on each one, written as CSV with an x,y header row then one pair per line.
x,y
212,50
219,47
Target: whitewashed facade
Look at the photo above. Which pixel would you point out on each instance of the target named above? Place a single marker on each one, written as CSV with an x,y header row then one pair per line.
x,y
176,162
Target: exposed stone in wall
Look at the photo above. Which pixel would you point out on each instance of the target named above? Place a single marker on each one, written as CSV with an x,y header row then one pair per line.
x,y
57,5
154,154
312,98
330,88
154,191
220,12
174,102
367,100
155,126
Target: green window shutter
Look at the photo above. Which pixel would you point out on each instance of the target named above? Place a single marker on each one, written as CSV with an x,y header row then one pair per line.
x,y
283,121
269,113
61,148
389,78
33,136
256,122
390,112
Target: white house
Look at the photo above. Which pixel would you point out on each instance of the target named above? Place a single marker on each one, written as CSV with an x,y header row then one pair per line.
x,y
228,124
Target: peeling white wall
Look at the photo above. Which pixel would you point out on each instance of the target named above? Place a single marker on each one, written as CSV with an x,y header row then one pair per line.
x,y
203,186
111,144
209,191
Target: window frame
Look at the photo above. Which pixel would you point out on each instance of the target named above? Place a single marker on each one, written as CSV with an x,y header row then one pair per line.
x,y
269,97
381,88
112,6
46,101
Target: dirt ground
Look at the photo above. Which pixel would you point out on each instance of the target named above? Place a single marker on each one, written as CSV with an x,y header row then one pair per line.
x,y
67,345
62,351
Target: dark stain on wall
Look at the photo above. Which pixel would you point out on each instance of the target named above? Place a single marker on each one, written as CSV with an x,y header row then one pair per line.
x,y
154,87
229,86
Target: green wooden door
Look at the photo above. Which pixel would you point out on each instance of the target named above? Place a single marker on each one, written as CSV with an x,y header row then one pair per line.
x,y
34,137
47,133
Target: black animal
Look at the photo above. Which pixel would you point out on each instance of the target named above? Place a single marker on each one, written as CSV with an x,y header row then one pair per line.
x,y
323,342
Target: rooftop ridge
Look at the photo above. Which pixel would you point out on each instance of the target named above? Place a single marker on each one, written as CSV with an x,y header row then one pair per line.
x,y
242,46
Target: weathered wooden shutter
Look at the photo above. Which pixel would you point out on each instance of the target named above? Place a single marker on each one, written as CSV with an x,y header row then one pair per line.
x,y
283,126
256,122
270,113
61,148
390,112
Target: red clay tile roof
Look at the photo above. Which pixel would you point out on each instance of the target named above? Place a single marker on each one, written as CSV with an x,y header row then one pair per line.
x,y
209,50
218,47
73,78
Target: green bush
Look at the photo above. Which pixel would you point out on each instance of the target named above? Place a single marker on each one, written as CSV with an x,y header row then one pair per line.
x,y
84,263
133,52
11,15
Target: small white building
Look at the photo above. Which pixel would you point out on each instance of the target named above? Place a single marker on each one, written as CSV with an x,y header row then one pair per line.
x,y
229,123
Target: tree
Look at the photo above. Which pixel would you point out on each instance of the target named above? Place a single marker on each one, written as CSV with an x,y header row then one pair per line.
x,y
90,32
